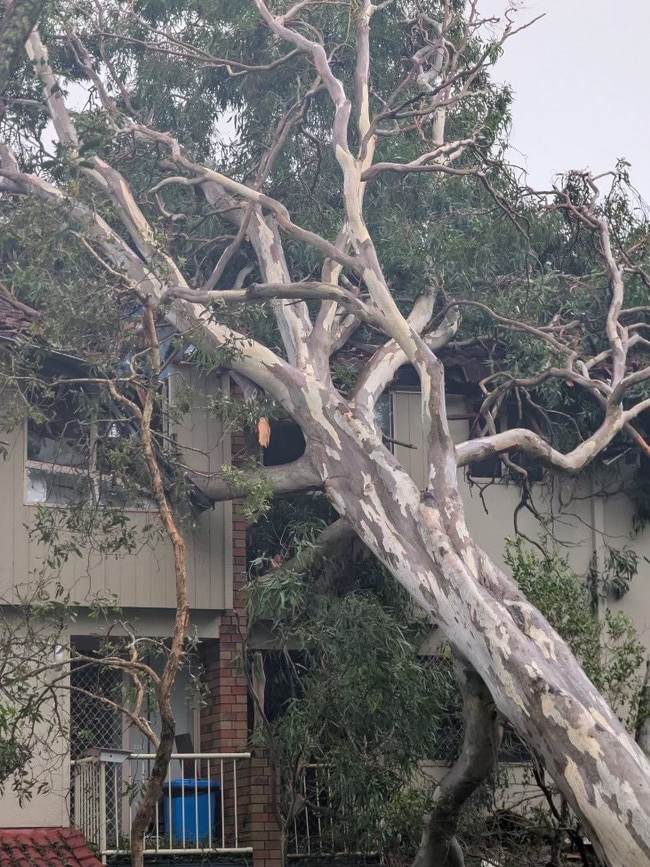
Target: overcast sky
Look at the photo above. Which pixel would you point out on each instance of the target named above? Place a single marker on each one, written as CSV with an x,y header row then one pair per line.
x,y
581,78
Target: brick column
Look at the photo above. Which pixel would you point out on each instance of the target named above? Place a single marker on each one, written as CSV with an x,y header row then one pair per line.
x,y
267,843
224,722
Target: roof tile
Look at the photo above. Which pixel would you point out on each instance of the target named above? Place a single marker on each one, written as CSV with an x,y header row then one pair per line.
x,y
45,847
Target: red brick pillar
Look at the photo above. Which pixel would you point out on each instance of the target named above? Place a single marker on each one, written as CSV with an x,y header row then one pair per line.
x,y
267,841
224,722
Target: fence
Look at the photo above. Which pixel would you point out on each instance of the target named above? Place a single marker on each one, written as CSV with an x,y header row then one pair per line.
x,y
314,830
200,810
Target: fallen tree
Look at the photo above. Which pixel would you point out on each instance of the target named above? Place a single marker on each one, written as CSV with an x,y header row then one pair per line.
x,y
125,208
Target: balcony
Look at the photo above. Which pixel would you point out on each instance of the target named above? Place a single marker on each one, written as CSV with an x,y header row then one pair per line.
x,y
201,810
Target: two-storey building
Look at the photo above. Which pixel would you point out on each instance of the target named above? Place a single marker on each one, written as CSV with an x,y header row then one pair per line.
x,y
93,757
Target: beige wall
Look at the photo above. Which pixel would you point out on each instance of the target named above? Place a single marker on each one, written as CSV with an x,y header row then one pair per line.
x,y
49,809
144,579
50,767
583,523
143,582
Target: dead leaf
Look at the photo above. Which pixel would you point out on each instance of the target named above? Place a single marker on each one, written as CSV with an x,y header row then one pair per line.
x,y
263,432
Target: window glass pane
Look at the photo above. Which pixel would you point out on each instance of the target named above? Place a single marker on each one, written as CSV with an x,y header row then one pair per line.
x,y
62,434
112,494
57,489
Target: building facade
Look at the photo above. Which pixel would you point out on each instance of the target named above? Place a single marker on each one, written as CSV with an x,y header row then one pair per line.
x,y
588,516
131,593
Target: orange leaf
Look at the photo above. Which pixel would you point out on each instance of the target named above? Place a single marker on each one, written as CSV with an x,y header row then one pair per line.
x,y
263,432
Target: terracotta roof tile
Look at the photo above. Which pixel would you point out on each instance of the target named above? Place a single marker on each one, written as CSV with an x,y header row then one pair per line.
x,y
45,847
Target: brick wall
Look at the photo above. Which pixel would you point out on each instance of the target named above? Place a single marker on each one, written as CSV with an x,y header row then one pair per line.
x,y
267,843
224,722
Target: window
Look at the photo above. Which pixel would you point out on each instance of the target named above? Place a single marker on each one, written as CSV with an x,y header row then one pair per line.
x,y
78,451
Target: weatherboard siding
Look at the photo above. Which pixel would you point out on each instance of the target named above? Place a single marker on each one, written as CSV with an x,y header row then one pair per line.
x,y
144,579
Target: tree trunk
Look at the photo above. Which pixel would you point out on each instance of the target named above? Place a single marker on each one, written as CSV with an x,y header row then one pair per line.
x,y
153,789
534,679
481,738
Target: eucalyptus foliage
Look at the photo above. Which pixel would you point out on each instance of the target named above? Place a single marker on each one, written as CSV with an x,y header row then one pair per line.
x,y
345,687
606,643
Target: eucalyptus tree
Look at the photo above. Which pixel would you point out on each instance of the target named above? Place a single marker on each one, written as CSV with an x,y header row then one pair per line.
x,y
203,221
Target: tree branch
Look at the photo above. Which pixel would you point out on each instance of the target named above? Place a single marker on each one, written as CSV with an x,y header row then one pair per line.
x,y
521,439
266,291
384,364
283,479
481,739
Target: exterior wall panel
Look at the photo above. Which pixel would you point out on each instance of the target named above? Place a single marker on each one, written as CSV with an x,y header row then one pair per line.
x,y
145,578
582,523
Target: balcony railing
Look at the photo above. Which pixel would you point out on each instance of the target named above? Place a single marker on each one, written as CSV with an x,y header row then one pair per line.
x,y
200,810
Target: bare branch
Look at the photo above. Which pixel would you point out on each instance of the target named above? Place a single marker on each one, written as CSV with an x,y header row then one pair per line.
x,y
187,51
542,332
283,479
616,333
521,439
386,361
433,161
266,291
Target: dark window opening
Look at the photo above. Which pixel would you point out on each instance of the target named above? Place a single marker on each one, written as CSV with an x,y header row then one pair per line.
x,y
282,686
488,468
286,444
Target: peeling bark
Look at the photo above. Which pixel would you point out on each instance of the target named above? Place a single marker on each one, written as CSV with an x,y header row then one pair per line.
x,y
283,479
533,678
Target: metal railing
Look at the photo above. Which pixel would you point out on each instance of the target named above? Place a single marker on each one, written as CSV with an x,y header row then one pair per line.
x,y
315,831
200,809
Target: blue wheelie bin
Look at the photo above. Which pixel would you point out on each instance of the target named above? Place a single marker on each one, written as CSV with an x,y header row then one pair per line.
x,y
190,806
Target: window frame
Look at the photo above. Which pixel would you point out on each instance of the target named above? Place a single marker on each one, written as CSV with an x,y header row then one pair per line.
x,y
90,472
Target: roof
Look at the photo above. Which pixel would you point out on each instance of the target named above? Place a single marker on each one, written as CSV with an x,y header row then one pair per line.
x,y
465,364
45,847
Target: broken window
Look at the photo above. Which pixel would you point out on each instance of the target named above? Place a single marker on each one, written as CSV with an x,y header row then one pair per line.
x,y
80,450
